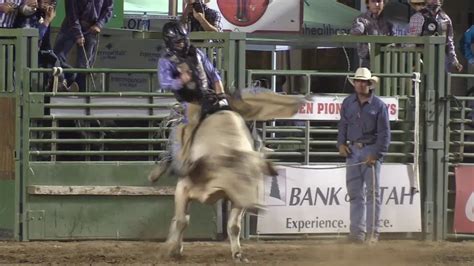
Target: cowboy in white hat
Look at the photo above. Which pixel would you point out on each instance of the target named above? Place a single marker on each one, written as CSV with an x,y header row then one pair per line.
x,y
363,73
363,138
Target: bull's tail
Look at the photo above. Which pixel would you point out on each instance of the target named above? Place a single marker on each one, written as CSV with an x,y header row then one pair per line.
x,y
163,168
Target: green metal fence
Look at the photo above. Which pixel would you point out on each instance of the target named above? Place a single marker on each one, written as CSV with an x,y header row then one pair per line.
x,y
17,52
83,158
459,151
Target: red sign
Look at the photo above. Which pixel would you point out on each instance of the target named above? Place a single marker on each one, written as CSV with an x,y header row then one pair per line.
x,y
242,12
464,209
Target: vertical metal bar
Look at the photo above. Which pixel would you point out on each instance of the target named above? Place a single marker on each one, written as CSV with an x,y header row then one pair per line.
x,y
106,82
87,124
441,169
54,136
24,95
274,67
21,116
395,69
411,68
150,133
446,151
249,78
3,63
403,69
150,82
307,125
230,64
103,77
242,63
10,70
172,7
387,82
429,174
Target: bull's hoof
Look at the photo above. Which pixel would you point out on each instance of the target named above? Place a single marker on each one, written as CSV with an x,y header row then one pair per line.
x,y
174,250
239,258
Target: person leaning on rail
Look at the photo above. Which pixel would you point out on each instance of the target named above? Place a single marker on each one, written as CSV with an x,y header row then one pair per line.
x,y
40,17
363,139
81,26
372,22
431,21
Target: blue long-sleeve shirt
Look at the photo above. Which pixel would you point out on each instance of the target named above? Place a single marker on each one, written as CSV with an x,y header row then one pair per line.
x,y
82,14
368,123
467,40
169,77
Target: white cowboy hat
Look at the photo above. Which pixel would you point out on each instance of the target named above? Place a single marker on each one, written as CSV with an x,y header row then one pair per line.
x,y
363,73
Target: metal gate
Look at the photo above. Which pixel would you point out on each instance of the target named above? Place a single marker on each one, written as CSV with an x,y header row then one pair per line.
x,y
80,166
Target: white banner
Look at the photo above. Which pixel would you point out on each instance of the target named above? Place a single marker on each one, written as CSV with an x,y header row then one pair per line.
x,y
310,201
329,108
259,15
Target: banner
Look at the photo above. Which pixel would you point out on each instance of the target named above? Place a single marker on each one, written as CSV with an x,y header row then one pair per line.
x,y
329,108
464,208
311,201
259,15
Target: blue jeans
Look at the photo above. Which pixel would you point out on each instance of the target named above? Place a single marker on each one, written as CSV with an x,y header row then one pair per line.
x,y
63,45
359,182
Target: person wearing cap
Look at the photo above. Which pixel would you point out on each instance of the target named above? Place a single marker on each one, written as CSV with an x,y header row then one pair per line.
x,y
372,22
432,20
417,5
363,139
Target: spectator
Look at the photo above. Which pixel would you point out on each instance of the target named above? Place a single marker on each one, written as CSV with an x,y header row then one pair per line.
x,y
83,22
432,20
466,41
8,11
40,18
417,5
199,17
370,23
363,137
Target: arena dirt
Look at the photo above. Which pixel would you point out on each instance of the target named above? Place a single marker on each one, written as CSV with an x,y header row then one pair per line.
x,y
329,252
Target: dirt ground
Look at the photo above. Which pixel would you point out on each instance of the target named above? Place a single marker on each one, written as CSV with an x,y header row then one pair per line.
x,y
310,252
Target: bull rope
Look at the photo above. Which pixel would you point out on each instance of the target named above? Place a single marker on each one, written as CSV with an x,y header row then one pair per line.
x,y
88,63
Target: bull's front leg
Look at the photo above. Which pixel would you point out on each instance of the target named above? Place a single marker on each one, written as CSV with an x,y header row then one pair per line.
x,y
174,243
233,230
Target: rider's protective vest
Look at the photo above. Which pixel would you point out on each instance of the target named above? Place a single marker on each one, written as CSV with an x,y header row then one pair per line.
x,y
434,24
198,87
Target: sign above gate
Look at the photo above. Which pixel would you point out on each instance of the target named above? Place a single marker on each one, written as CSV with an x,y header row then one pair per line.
x,y
329,108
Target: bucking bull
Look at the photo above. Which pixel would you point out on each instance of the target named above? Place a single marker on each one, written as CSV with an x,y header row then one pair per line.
x,y
218,160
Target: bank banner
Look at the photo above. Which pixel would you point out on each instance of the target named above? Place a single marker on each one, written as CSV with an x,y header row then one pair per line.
x,y
312,201
464,208
329,108
259,15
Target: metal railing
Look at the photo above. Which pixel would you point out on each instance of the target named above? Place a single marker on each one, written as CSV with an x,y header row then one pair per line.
x,y
43,127
315,141
460,148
